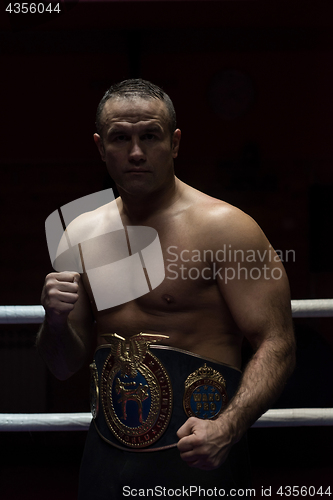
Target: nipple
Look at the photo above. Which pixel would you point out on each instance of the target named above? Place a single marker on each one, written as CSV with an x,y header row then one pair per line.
x,y
168,298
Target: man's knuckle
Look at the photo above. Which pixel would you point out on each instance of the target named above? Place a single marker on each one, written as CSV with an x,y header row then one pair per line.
x,y
52,293
200,440
48,283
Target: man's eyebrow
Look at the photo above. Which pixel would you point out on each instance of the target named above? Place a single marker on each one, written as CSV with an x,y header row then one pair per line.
x,y
152,129
118,129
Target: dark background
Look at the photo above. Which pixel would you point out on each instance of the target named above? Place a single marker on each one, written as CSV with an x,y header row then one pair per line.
x,y
252,85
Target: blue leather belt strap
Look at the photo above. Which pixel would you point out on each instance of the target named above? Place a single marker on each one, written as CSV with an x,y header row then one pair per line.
x,y
179,365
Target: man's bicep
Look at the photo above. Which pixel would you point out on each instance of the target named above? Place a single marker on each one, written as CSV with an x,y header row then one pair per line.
x,y
258,298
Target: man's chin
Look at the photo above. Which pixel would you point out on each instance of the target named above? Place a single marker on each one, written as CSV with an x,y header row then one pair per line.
x,y
138,188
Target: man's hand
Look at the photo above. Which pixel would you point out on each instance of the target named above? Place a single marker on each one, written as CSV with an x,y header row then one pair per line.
x,y
64,344
204,444
59,295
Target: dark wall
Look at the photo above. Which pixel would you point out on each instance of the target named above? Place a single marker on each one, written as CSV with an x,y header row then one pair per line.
x,y
252,87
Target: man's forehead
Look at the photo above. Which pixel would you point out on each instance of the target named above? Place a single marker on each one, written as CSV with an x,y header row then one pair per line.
x,y
134,110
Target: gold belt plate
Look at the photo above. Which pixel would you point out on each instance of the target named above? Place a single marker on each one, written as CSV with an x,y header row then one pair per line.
x,y
205,394
136,391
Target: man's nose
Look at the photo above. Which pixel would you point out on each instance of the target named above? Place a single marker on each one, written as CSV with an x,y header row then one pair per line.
x,y
136,152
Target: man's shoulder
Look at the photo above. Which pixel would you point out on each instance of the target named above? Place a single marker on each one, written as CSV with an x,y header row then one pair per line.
x,y
209,210
91,224
216,221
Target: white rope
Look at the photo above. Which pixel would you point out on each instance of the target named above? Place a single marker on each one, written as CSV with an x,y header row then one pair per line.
x,y
294,417
312,308
21,314
309,308
16,422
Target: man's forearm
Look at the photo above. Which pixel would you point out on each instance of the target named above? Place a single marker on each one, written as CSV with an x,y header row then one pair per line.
x,y
262,383
61,348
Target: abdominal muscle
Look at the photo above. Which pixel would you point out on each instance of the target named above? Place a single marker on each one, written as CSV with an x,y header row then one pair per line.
x,y
195,330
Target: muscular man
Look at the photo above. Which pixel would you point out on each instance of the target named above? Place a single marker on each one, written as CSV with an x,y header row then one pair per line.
x,y
238,289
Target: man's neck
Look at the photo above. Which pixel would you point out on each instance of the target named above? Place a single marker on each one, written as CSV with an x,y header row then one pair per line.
x,y
138,208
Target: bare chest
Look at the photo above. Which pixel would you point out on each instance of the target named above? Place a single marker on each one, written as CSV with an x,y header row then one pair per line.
x,y
188,284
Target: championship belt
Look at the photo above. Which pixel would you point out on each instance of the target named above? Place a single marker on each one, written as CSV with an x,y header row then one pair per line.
x,y
141,393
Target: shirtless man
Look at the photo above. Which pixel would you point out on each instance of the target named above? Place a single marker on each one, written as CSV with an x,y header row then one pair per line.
x,y
208,316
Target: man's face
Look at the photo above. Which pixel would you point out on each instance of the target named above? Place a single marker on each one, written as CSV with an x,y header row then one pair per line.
x,y
136,144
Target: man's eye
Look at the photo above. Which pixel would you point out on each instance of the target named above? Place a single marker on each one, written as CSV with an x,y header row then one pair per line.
x,y
121,138
149,137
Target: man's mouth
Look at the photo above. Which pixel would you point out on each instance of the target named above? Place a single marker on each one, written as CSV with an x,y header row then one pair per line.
x,y
138,171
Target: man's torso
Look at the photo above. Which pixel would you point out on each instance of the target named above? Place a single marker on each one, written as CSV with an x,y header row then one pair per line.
x,y
188,305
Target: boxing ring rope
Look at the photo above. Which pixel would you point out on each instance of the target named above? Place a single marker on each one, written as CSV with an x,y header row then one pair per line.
x,y
11,315
291,417
294,417
309,308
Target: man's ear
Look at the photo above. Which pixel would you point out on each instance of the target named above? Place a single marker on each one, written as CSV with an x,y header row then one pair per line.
x,y
100,145
175,142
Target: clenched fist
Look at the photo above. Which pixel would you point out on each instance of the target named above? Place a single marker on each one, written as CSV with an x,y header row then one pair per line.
x,y
204,444
59,295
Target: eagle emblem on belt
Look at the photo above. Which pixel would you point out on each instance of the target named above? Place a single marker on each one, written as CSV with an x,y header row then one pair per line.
x,y
136,391
131,356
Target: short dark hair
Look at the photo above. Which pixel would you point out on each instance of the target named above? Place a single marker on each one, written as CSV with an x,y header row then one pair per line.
x,y
136,87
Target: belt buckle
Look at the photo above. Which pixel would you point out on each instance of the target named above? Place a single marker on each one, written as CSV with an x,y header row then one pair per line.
x,y
136,391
